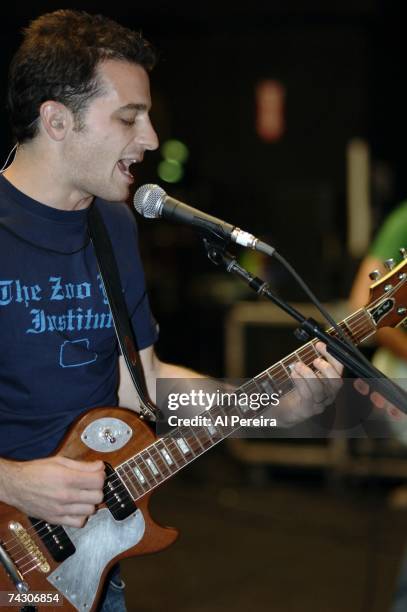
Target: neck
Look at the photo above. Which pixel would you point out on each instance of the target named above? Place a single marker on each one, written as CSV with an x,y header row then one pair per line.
x,y
40,177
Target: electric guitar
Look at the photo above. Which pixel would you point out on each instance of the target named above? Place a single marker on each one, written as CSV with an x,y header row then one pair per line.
x,y
43,565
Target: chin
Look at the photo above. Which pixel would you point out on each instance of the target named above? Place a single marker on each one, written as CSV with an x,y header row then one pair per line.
x,y
117,195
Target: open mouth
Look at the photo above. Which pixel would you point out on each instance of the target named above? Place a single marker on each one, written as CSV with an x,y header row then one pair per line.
x,y
124,167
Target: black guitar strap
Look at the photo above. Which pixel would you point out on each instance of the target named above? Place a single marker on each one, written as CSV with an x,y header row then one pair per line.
x,y
113,288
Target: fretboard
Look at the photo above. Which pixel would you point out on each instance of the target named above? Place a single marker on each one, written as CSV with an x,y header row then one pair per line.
x,y
170,453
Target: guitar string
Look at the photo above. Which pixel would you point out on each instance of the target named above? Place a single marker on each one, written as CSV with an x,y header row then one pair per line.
x,y
25,569
196,450
197,447
77,536
304,354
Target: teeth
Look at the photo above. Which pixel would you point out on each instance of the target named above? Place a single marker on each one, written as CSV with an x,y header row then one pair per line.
x,y
128,162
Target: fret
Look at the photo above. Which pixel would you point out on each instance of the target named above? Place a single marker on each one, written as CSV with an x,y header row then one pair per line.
x,y
143,467
244,407
345,327
286,383
198,433
152,465
183,445
255,386
266,383
212,431
305,355
246,388
362,324
159,460
218,411
357,327
283,363
350,331
165,453
176,454
189,436
205,434
310,353
128,481
136,484
311,346
139,474
371,326
136,488
290,361
280,378
234,410
345,330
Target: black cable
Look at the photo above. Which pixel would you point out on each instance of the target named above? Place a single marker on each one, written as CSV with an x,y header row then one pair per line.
x,y
393,389
326,314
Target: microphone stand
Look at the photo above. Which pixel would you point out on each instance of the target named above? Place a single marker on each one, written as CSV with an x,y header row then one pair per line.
x,y
309,328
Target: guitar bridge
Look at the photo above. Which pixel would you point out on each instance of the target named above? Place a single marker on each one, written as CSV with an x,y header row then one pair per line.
x,y
30,546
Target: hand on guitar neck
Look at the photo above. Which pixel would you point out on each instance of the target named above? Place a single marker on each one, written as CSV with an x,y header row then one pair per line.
x,y
58,490
314,390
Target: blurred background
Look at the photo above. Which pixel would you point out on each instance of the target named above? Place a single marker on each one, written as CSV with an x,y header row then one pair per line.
x,y
286,118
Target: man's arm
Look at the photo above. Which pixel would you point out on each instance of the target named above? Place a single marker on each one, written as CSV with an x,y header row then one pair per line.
x,y
154,369
314,392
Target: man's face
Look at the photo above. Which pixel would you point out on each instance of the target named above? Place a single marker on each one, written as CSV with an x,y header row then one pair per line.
x,y
116,132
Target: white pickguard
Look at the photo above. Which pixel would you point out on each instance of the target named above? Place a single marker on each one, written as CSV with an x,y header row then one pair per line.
x,y
77,578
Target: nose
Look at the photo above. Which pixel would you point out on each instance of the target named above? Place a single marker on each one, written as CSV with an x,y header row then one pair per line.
x,y
148,138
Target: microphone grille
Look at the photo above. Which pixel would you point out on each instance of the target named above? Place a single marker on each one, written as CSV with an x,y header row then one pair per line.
x,y
148,200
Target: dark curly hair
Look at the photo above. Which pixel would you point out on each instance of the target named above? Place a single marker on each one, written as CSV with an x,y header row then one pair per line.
x,y
58,60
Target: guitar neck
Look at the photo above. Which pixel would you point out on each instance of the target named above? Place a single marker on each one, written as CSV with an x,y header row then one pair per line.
x,y
169,454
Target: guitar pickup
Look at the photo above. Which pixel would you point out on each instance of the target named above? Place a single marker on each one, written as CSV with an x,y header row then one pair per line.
x,y
55,539
116,496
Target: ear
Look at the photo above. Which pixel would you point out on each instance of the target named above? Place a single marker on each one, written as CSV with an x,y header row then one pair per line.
x,y
55,119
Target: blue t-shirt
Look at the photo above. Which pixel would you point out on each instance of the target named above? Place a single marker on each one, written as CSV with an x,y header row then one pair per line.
x,y
59,354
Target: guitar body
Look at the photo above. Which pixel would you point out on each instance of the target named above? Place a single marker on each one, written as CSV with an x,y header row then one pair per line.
x,y
104,540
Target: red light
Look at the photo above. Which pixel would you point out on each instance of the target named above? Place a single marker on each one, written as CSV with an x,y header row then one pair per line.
x,y
270,97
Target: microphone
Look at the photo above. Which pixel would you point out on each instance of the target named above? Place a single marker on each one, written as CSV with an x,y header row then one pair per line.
x,y
152,202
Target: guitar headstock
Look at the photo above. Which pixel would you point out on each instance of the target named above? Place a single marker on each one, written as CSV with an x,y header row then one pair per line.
x,y
388,295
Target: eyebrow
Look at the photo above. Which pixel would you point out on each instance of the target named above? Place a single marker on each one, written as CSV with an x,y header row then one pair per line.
x,y
132,106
